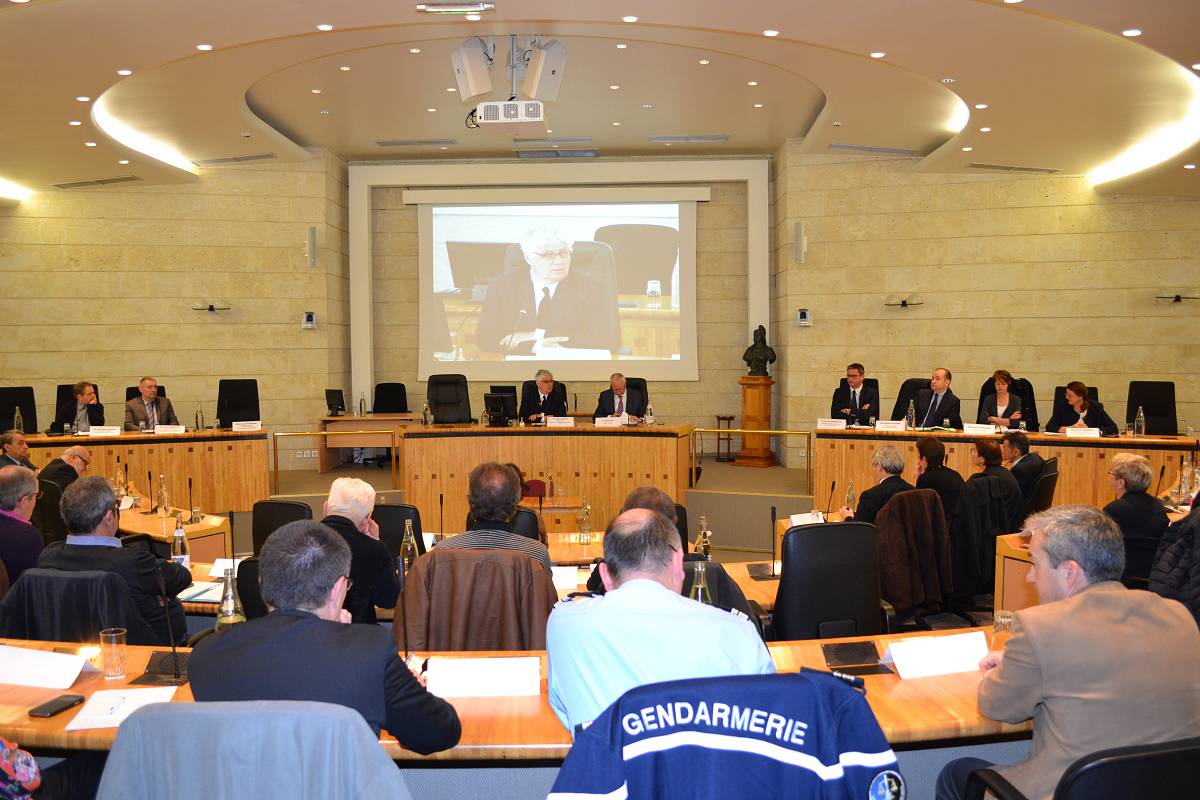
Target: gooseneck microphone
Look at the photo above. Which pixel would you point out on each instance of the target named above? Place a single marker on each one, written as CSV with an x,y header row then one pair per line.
x,y
829,504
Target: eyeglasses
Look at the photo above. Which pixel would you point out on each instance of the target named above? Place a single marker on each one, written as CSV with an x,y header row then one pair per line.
x,y
550,255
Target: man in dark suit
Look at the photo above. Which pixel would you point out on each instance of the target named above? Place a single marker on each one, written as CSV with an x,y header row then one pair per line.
x,y
20,542
149,409
888,463
856,402
938,403
305,650
619,399
372,573
83,410
565,306
65,469
932,473
15,450
89,510
1025,466
539,400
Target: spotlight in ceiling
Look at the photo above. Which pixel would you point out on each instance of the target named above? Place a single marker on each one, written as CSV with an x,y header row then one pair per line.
x,y
878,54
614,86
83,98
455,8
315,91
473,17
985,130
752,83
704,62
123,161
204,48
968,149
324,26
1189,166
629,18
74,123
758,105
1131,32
981,106
622,46
770,33
414,50
949,81
89,144
344,68
124,73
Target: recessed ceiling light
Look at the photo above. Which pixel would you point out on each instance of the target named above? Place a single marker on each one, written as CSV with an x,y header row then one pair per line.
x,y
83,98
18,1
1131,32
985,130
451,89
981,106
752,83
549,130
770,32
614,86
1189,166
344,67
968,149
74,123
431,110
949,81
1012,2
324,26
616,124
324,112
647,105
878,54
316,91
123,161
89,144
629,18
204,47
704,61
622,46
443,147
472,17
414,50
758,105
124,72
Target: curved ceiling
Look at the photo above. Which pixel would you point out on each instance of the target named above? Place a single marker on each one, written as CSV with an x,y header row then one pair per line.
x,y
1064,90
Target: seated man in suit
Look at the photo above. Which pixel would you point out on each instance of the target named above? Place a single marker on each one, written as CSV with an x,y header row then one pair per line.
x,y
1095,665
987,457
89,510
15,450
20,542
932,473
546,302
149,409
493,494
1141,518
1025,466
888,464
855,402
642,630
65,469
372,573
83,411
540,400
938,403
305,648
618,400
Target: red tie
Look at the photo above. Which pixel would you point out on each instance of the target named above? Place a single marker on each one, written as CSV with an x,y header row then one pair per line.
x,y
620,405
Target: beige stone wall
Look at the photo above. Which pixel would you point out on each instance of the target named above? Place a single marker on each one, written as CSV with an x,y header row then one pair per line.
x,y
1042,276
101,284
721,309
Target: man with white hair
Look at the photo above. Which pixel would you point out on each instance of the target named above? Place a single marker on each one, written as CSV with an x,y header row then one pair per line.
x,y
1142,518
548,302
372,574
888,465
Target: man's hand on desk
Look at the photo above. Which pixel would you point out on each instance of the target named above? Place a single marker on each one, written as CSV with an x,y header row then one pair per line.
x,y
991,661
845,513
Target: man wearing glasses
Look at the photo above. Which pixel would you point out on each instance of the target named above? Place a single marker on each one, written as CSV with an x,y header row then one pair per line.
x,y
20,542
149,409
547,303
65,469
82,411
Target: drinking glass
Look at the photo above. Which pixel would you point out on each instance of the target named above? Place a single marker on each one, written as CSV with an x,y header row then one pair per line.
x,y
112,652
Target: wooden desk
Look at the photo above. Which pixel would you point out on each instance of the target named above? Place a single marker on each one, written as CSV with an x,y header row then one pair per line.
x,y
560,514
1083,464
208,539
1013,563
328,447
760,591
566,549
228,468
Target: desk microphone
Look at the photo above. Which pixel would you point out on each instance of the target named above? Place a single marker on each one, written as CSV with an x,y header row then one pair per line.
x,y
441,513
829,505
1162,470
772,564
190,506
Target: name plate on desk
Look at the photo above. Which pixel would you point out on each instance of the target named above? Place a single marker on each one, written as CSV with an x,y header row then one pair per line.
x,y
169,429
824,424
889,425
1079,433
104,430
607,422
248,425
562,422
977,429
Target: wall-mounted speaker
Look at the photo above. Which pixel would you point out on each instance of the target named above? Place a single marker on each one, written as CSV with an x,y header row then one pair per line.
x,y
471,70
310,250
800,243
544,73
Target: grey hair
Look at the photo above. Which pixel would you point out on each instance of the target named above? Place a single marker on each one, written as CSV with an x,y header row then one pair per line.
x,y
639,540
1135,470
541,235
889,459
86,502
300,563
15,483
1082,534
543,373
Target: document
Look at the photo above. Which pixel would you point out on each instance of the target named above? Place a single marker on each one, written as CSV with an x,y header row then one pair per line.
x,y
811,518
203,592
221,564
925,656
566,577
45,670
108,708
519,676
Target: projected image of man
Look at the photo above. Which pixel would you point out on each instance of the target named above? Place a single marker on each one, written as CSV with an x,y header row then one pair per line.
x,y
547,301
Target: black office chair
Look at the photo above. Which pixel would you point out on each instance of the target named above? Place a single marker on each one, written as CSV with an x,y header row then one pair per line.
x,y
57,606
681,525
559,390
237,401
1042,496
390,398
47,515
65,392
14,397
1060,399
268,515
1029,413
1157,401
449,399
829,583
641,252
640,385
1162,770
248,589
524,523
132,391
908,391
390,518
147,543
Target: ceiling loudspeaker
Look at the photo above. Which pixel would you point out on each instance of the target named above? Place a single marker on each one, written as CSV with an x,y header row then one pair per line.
x,y
470,64
544,73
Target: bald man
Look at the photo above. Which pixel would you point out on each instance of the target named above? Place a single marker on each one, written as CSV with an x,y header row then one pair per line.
x,y
67,468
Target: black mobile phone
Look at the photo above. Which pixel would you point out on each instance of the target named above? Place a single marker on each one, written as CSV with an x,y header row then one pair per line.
x,y
56,706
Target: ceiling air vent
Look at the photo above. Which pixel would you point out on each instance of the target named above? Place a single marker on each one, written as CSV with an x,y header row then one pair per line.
x,y
864,148
1014,168
551,140
716,137
98,182
556,153
416,142
216,162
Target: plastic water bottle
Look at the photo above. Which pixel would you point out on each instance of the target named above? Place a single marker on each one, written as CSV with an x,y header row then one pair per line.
x,y
179,548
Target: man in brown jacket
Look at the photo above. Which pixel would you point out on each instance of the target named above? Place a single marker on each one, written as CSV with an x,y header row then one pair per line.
x,y
1096,665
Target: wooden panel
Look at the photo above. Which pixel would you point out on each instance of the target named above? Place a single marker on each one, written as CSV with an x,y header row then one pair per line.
x,y
329,447
208,539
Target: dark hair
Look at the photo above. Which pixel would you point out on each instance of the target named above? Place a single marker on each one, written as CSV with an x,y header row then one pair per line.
x,y
1003,375
932,450
300,563
653,498
495,490
85,503
80,389
949,377
1017,440
989,451
858,367
1079,388
639,540
7,437
15,483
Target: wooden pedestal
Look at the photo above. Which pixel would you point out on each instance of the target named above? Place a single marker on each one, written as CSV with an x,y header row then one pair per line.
x,y
756,413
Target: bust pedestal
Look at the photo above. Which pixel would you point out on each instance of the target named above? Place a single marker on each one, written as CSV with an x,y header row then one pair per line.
x,y
756,413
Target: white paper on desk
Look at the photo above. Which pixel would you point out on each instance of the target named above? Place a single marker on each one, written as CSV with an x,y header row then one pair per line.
x,y
560,422
519,676
925,656
565,577
108,708
221,564
811,518
203,592
39,668
608,422
126,503
975,429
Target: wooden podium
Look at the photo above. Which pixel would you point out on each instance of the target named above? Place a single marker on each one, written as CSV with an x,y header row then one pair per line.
x,y
756,413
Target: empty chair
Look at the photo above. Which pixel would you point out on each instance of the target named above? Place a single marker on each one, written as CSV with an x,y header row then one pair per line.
x,y
646,252
57,606
248,589
449,399
390,518
829,583
908,391
47,514
132,391
914,551
14,397
268,515
1157,401
237,401
222,751
390,398
1042,496
533,488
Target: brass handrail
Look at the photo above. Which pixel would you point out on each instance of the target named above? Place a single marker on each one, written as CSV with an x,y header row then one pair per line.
x,y
277,435
767,432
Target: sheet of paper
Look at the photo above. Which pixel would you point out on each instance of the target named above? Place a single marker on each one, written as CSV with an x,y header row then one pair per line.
x,y
248,425
608,422
485,677
889,424
221,564
25,667
104,430
827,424
566,577
975,429
430,539
925,656
560,422
811,518
1082,433
169,429
203,592
108,708
126,503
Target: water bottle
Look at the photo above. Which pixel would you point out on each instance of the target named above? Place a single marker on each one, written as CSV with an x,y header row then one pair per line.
x,y
699,591
1139,423
649,414
164,502
18,421
179,548
408,547
199,419
910,416
119,484
851,497
362,404
426,415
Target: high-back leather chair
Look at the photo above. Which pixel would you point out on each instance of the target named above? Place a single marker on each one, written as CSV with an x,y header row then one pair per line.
x,y
648,252
248,588
12,398
1157,401
1060,399
237,401
908,391
524,523
133,391
390,398
559,390
390,517
268,515
448,398
59,606
47,513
